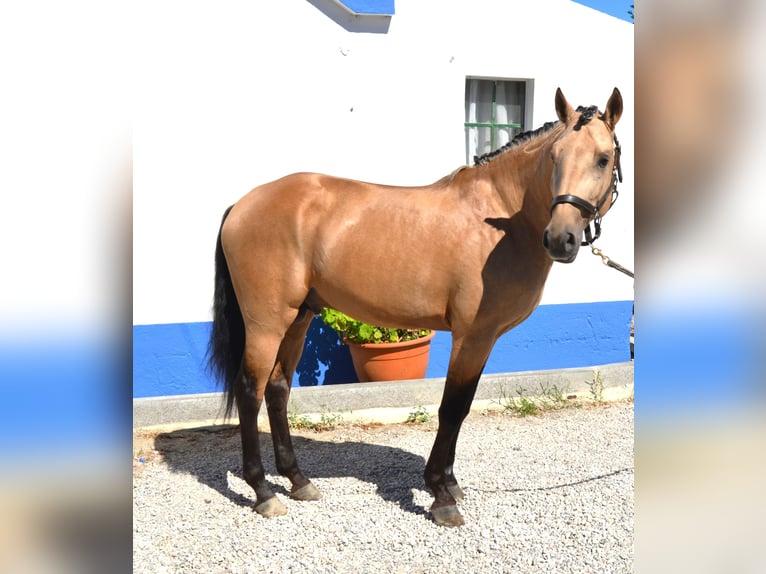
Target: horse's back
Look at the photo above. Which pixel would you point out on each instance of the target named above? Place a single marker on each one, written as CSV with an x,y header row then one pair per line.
x,y
357,245
306,203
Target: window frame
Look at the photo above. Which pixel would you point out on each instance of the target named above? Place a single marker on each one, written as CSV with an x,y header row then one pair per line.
x,y
528,86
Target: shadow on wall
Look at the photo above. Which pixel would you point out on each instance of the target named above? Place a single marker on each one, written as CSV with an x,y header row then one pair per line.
x,y
325,359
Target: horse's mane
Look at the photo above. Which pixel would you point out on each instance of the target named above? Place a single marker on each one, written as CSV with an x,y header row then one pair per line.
x,y
586,115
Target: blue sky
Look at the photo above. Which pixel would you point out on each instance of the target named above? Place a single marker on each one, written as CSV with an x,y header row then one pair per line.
x,y
617,8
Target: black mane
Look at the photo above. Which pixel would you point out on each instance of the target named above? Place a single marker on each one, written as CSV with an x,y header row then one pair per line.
x,y
586,115
517,139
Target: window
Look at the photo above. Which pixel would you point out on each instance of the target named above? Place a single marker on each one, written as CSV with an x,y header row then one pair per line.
x,y
495,111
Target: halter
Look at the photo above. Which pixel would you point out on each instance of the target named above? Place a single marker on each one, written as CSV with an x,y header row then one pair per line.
x,y
594,209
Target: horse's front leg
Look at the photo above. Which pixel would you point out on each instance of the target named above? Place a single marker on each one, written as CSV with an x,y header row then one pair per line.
x,y
449,473
466,365
439,474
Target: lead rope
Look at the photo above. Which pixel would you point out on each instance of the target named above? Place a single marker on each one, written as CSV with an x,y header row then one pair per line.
x,y
608,262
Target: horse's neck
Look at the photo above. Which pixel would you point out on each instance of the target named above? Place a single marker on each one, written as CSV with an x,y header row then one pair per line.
x,y
521,178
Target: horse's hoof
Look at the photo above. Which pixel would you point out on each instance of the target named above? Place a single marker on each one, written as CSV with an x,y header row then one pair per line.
x,y
447,516
456,492
307,492
271,507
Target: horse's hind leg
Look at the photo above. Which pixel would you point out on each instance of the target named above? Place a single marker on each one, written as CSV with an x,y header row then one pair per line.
x,y
277,397
258,364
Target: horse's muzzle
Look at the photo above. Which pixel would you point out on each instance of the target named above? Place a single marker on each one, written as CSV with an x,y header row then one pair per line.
x,y
562,246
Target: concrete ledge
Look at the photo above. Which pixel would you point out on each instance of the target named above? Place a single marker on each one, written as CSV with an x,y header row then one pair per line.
x,y
358,398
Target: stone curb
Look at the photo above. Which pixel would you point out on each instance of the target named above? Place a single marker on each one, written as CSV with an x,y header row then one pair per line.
x,y
389,401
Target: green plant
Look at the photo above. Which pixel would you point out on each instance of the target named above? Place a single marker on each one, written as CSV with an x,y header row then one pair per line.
x,y
551,397
596,387
521,405
327,420
418,415
355,331
296,421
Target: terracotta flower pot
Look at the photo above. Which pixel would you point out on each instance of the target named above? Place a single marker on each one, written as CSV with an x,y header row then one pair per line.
x,y
391,361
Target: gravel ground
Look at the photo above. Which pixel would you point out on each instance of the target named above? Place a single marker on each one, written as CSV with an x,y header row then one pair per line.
x,y
552,493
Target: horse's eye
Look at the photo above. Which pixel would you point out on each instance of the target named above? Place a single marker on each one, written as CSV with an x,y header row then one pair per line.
x,y
603,162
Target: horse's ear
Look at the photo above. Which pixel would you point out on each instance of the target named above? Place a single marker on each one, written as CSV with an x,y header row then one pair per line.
x,y
563,110
613,109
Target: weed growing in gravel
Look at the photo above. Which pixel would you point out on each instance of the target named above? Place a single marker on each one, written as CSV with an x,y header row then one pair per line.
x,y
521,405
596,387
327,420
418,415
296,421
551,397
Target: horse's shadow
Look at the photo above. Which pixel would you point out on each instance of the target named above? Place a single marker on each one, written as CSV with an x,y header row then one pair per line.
x,y
209,452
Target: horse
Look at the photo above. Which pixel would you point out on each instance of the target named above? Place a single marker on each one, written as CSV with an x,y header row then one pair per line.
x,y
472,255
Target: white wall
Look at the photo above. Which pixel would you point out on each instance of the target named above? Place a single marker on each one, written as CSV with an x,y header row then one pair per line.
x,y
235,94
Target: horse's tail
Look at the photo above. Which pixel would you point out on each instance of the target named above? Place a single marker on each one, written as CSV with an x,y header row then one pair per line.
x,y
227,336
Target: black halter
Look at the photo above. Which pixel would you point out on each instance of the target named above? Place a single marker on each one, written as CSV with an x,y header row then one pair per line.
x,y
591,209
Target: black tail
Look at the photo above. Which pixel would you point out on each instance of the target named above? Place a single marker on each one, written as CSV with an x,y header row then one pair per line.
x,y
227,337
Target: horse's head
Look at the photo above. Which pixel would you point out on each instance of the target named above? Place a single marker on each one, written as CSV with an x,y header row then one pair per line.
x,y
586,167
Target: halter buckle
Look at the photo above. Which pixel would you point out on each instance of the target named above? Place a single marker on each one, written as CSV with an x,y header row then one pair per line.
x,y
589,239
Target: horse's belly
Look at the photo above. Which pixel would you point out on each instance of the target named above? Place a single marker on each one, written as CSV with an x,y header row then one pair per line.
x,y
387,298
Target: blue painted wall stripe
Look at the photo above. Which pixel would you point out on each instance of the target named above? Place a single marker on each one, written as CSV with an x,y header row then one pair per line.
x,y
379,7
169,359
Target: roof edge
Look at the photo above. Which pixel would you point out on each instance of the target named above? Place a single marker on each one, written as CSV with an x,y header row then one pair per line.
x,y
368,7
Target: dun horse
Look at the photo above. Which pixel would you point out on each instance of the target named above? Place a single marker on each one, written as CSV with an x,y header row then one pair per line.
x,y
484,239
